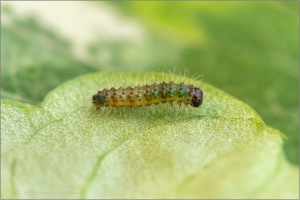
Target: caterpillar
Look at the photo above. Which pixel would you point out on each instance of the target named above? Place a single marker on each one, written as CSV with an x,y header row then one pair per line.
x,y
148,95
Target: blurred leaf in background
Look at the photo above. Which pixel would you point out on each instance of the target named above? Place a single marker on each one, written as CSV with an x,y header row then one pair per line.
x,y
34,60
248,49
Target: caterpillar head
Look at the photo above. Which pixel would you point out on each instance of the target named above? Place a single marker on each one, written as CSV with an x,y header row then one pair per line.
x,y
197,98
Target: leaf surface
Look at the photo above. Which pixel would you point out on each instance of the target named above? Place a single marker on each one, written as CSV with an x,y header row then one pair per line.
x,y
62,149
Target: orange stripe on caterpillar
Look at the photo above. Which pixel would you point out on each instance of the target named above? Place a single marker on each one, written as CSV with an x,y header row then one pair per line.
x,y
148,95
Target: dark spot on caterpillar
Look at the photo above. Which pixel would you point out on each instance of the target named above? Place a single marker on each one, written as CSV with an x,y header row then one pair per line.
x,y
148,95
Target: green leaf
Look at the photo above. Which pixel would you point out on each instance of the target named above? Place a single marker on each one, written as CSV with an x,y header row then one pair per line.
x,y
62,149
255,60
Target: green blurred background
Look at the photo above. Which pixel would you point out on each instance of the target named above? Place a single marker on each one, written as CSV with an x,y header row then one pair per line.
x,y
248,49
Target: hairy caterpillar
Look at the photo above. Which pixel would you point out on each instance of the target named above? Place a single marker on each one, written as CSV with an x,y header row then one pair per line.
x,y
148,95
